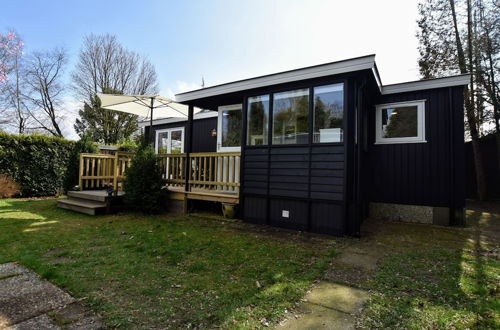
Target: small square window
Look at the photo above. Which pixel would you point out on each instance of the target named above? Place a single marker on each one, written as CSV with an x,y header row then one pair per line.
x,y
400,122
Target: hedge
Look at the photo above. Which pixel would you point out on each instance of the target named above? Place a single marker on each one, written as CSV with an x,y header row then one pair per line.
x,y
37,163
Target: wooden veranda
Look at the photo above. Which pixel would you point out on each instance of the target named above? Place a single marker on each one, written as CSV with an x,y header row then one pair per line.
x,y
202,176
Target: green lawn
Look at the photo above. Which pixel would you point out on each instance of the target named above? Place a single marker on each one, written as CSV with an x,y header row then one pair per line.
x,y
201,271
161,271
437,277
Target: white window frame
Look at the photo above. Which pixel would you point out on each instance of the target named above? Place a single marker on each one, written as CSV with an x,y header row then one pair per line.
x,y
221,109
420,138
169,130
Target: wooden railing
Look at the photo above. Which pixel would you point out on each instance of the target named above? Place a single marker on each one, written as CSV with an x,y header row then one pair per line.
x,y
208,171
173,169
99,171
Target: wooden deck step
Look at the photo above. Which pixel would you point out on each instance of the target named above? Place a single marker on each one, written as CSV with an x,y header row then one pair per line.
x,y
83,206
94,195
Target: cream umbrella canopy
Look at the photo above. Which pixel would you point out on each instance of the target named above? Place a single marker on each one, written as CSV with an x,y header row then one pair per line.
x,y
144,105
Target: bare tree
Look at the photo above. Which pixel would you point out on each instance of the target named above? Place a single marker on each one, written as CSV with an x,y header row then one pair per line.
x,y
105,66
13,113
43,75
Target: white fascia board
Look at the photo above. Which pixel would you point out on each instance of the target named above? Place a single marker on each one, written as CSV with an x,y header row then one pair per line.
x,y
411,86
162,121
356,64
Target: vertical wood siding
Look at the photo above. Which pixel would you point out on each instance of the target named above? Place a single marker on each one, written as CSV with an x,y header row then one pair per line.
x,y
203,141
428,173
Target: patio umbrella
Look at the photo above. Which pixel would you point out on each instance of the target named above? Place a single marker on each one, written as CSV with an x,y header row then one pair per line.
x,y
144,105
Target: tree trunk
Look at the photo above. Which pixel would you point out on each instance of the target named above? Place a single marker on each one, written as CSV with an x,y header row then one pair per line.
x,y
478,163
469,96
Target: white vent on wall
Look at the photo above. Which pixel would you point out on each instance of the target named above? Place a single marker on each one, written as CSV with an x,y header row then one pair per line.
x,y
285,214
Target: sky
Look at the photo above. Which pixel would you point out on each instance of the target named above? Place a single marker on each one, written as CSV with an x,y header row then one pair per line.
x,y
224,40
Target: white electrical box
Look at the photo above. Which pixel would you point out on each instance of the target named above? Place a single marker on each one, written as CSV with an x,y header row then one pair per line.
x,y
285,214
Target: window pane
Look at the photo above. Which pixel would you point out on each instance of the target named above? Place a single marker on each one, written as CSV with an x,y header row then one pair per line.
x,y
400,122
258,118
162,142
176,142
290,117
231,128
328,113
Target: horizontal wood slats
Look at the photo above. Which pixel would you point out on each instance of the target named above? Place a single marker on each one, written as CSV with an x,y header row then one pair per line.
x,y
315,172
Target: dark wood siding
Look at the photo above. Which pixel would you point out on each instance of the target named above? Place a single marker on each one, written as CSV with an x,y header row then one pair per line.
x,y
203,141
307,180
428,173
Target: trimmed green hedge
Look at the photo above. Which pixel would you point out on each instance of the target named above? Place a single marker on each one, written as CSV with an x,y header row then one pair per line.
x,y
37,163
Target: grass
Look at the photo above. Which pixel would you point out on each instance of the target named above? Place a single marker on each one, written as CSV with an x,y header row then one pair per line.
x,y
201,272
160,272
440,278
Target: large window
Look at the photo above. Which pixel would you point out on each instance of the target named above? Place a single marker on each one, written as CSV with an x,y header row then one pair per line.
x,y
170,141
328,113
258,120
290,117
400,122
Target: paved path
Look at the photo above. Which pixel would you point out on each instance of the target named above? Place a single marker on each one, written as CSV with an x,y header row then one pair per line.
x,y
29,302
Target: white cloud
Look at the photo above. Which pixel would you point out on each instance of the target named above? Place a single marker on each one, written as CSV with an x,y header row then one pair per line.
x,y
180,87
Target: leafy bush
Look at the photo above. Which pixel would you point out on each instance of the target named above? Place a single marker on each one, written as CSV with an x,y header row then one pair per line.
x,y
84,145
143,182
37,163
8,187
128,145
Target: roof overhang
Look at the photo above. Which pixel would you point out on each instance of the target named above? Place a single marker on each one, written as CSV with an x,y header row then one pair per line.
x,y
171,120
317,71
417,85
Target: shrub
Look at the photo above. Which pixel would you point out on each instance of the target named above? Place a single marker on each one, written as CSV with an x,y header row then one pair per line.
x,y
8,187
37,163
84,145
128,145
143,182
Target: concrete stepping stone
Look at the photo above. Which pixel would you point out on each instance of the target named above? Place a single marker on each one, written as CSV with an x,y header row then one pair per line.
x,y
318,317
338,297
42,322
29,302
328,306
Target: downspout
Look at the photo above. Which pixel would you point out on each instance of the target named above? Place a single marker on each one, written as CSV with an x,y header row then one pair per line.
x,y
359,140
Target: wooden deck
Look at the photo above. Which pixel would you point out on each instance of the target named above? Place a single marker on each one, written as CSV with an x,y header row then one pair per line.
x,y
206,176
178,193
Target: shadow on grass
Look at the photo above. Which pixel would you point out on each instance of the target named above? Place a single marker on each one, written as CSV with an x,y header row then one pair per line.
x,y
437,277
164,271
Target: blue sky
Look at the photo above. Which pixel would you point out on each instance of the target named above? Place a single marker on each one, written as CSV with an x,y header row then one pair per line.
x,y
227,40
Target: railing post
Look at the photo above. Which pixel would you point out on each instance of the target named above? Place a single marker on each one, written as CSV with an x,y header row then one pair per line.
x,y
115,174
80,180
188,145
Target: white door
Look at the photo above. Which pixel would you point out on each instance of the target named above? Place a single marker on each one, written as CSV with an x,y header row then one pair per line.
x,y
229,128
229,140
170,140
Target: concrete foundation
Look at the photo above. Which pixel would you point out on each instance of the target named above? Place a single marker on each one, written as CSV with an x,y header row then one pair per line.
x,y
410,213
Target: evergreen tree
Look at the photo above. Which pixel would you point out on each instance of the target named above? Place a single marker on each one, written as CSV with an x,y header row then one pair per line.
x,y
102,125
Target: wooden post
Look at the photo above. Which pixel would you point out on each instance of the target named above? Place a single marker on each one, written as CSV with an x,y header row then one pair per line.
x,y
115,174
80,180
188,145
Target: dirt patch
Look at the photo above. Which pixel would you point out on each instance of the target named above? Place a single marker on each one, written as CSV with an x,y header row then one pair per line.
x,y
96,239
60,260
54,252
97,247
